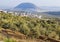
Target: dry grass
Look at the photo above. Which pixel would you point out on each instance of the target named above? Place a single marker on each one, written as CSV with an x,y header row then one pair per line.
x,y
30,40
19,37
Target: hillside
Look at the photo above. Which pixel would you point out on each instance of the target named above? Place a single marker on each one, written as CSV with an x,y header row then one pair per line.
x,y
30,28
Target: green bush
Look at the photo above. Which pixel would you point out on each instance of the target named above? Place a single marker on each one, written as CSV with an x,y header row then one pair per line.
x,y
9,40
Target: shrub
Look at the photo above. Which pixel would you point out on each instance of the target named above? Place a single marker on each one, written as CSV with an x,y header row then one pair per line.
x,y
9,40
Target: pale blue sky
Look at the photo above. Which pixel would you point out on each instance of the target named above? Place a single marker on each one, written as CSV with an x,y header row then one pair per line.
x,y
13,3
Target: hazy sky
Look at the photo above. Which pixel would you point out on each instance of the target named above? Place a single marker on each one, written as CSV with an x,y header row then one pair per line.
x,y
13,3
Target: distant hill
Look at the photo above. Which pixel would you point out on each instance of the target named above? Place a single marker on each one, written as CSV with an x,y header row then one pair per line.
x,y
27,7
56,13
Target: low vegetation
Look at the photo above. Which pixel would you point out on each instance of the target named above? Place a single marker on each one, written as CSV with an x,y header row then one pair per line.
x,y
31,27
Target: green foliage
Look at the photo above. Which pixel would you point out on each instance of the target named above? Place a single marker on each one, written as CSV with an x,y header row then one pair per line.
x,y
32,27
9,40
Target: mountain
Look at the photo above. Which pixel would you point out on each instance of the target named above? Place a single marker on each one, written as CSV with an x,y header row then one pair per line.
x,y
27,7
44,11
